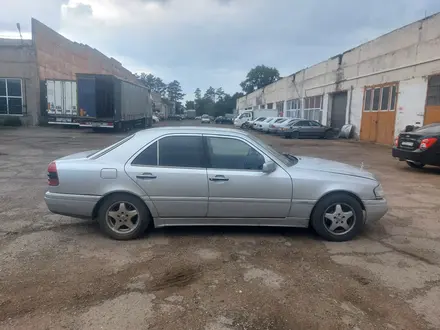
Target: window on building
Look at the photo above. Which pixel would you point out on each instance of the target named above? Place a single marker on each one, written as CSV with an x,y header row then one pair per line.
x,y
393,98
11,99
313,108
270,105
433,95
293,108
381,98
367,100
385,98
262,106
376,99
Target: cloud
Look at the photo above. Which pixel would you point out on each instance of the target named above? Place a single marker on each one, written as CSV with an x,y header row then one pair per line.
x,y
215,42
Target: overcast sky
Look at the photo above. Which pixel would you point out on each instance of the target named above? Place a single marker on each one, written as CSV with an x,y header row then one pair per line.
x,y
204,43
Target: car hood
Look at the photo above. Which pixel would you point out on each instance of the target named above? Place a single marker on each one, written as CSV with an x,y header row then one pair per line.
x,y
329,166
79,155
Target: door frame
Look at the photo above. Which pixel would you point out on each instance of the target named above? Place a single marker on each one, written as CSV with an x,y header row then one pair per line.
x,y
329,118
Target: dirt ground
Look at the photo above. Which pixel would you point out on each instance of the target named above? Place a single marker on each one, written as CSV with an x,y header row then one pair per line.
x,y
58,272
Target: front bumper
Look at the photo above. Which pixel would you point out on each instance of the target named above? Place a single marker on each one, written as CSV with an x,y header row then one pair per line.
x,y
80,206
375,210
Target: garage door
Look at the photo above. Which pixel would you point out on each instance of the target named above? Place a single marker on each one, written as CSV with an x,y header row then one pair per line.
x,y
339,107
378,114
432,109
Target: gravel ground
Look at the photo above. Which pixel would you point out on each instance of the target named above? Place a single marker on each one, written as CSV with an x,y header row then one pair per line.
x,y
58,272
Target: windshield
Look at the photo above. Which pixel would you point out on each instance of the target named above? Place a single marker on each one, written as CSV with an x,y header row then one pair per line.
x,y
432,129
280,120
205,116
288,160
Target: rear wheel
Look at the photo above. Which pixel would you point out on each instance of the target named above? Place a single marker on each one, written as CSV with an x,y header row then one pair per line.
x,y
123,217
338,217
415,164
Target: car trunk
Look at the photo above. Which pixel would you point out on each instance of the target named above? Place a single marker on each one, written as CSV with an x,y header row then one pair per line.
x,y
409,141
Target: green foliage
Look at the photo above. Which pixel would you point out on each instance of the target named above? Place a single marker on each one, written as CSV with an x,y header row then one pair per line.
x,y
174,91
198,94
154,83
215,102
190,105
259,77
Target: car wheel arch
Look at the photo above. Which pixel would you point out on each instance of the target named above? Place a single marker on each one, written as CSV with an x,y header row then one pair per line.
x,y
108,195
334,192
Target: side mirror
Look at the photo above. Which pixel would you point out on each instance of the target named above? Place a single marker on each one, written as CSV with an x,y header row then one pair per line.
x,y
269,167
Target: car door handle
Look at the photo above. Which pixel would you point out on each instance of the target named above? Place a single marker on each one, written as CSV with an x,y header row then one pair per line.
x,y
146,176
219,178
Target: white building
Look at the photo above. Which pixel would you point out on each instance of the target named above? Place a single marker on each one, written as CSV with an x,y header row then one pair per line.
x,y
379,87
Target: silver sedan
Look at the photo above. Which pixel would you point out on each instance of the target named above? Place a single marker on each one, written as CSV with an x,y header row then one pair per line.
x,y
181,176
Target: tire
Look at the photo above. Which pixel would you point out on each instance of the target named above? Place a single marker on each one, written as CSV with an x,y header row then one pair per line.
x,y
415,165
143,217
328,205
329,135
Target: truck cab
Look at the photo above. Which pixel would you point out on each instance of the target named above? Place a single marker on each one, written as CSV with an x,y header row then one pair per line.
x,y
243,118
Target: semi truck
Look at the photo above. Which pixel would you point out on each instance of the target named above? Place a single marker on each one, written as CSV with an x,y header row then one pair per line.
x,y
105,101
59,102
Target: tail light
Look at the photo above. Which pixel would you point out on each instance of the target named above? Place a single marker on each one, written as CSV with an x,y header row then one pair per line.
x,y
396,141
52,175
427,143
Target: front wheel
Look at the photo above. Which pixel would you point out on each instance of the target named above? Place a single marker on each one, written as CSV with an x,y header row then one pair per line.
x,y
415,165
338,217
123,217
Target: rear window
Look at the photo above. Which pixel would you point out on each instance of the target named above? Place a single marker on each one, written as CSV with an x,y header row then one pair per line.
x,y
433,129
102,152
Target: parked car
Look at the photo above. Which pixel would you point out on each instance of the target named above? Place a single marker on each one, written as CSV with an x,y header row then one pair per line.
x,y
172,176
205,119
263,126
252,123
304,128
155,119
281,127
175,117
223,120
198,117
420,147
273,127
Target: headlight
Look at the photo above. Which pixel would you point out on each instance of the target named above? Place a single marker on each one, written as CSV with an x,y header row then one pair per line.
x,y
378,192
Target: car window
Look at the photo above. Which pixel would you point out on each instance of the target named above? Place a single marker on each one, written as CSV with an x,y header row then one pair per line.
x,y
302,123
261,119
429,129
314,123
292,121
147,157
268,120
280,120
181,151
228,153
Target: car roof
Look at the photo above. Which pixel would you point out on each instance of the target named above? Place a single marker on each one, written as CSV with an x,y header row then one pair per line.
x,y
189,129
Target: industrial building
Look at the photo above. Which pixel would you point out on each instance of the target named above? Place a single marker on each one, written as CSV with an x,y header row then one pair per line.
x,y
38,76
379,87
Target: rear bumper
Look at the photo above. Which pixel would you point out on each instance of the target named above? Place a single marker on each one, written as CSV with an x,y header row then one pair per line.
x,y
375,210
427,157
80,206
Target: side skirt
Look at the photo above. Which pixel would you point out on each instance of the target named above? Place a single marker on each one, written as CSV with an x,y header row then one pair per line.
x,y
268,222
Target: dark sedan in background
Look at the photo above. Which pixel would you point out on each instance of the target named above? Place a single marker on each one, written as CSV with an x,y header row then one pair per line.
x,y
303,128
224,120
420,147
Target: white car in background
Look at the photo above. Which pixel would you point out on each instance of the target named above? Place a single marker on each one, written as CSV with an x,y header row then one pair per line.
x,y
206,119
264,125
251,123
155,119
273,127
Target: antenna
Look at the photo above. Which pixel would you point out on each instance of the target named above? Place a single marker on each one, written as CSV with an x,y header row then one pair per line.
x,y
19,31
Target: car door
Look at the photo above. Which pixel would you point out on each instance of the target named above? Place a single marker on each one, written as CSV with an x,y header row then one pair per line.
x,y
316,129
172,172
238,188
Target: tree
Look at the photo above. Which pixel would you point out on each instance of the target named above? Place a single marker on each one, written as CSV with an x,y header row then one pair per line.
x,y
220,93
198,94
154,83
210,94
190,105
259,77
174,91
